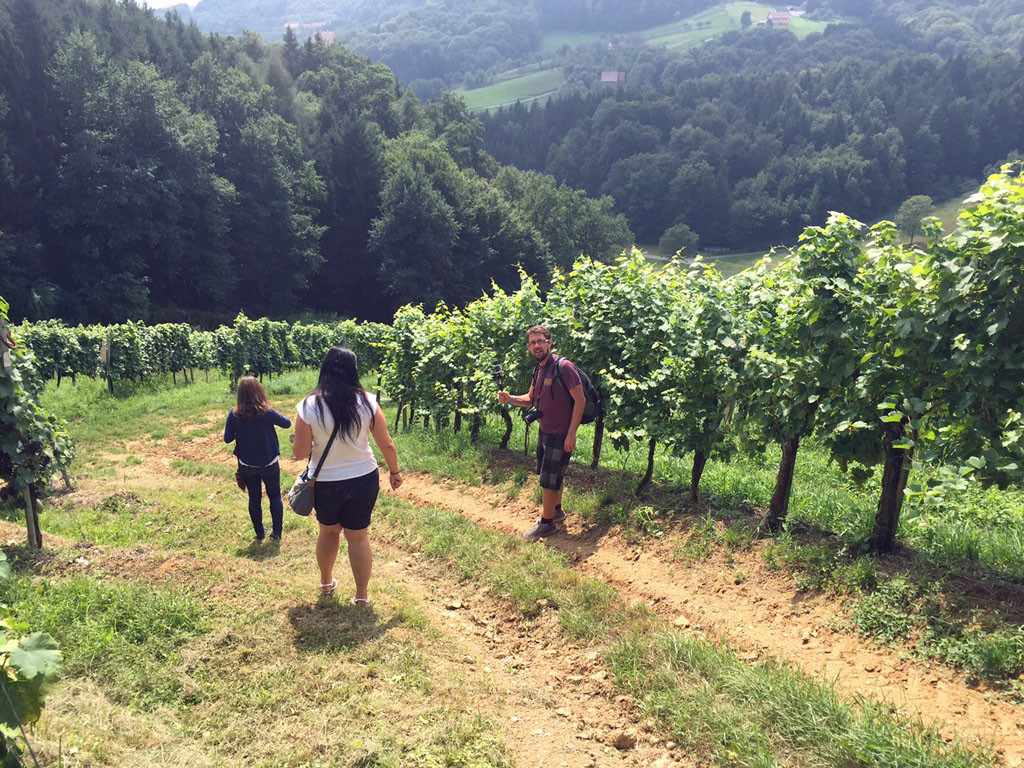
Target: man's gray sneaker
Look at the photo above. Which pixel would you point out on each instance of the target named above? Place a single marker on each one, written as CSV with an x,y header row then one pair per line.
x,y
559,515
540,530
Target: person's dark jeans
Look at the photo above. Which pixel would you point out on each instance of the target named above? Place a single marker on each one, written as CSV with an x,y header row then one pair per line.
x,y
270,476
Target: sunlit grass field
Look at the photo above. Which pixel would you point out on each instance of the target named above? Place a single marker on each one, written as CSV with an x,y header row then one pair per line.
x,y
552,41
526,88
977,527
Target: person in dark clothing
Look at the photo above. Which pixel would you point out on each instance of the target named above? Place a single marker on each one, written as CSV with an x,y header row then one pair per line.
x,y
251,425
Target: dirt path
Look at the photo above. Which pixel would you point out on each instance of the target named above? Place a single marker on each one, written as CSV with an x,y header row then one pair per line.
x,y
556,704
552,701
765,614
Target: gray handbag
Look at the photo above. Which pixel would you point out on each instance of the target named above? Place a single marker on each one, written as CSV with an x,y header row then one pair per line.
x,y
300,497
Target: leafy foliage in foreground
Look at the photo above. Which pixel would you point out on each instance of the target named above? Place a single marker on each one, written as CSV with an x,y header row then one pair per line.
x,y
890,355
34,444
29,668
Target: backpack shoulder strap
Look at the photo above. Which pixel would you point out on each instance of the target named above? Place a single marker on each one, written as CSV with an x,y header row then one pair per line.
x,y
557,374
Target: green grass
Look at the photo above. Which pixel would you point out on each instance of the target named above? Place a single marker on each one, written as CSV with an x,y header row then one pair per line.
x,y
982,527
246,647
948,211
524,88
255,647
202,469
704,697
692,31
552,41
975,528
698,691
728,264
126,637
975,532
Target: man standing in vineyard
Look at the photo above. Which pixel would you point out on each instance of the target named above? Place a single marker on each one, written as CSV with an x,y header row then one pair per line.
x,y
556,396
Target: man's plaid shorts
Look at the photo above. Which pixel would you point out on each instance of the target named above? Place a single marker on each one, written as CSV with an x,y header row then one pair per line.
x,y
552,459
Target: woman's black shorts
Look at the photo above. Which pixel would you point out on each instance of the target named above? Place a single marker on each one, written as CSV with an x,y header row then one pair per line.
x,y
348,502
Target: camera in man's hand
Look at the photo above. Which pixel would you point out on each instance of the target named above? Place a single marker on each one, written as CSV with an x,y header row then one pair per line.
x,y
532,415
496,374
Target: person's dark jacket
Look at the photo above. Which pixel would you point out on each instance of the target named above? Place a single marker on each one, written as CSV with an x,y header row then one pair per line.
x,y
256,440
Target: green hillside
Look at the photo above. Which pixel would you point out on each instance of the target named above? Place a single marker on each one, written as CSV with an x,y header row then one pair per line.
x,y
678,36
525,88
685,34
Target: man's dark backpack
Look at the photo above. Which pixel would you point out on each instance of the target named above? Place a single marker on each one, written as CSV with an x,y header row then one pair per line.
x,y
594,407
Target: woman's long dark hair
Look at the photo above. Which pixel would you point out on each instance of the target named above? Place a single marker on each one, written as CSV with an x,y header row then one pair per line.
x,y
338,387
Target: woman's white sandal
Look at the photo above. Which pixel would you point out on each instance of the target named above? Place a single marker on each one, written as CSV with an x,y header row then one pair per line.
x,y
326,589
362,601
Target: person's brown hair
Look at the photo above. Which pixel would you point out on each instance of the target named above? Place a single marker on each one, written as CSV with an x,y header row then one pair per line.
x,y
539,329
252,399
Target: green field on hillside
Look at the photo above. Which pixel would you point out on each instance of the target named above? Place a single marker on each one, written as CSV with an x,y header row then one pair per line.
x,y
948,211
526,88
728,264
552,41
689,32
677,36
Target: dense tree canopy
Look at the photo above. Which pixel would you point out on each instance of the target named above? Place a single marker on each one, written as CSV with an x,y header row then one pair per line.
x,y
751,137
149,171
448,40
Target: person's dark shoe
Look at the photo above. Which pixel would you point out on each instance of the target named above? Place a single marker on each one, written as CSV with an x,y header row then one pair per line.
x,y
540,530
275,537
559,515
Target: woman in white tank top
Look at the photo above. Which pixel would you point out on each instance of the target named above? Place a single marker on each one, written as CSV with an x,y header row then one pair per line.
x,y
346,487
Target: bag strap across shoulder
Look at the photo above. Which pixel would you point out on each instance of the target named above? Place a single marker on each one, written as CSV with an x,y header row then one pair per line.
x,y
557,374
323,456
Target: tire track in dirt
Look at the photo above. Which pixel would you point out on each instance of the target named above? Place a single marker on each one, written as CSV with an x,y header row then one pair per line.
x,y
557,706
763,615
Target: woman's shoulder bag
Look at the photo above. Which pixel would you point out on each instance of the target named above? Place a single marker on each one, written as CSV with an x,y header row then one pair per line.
x,y
300,497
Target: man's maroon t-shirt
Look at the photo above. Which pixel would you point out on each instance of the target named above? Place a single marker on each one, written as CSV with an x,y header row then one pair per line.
x,y
552,398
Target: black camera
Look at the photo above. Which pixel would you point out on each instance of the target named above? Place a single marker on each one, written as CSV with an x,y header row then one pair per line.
x,y
532,415
496,374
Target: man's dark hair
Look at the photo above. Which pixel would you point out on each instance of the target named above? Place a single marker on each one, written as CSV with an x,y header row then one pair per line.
x,y
539,329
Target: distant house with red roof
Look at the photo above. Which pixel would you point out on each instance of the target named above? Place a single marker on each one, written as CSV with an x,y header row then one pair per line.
x,y
612,79
780,18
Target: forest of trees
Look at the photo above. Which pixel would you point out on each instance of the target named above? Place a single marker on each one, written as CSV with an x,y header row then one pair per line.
x,y
451,41
467,41
150,171
751,137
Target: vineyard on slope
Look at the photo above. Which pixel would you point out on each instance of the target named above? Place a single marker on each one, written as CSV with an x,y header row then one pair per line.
x,y
890,356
